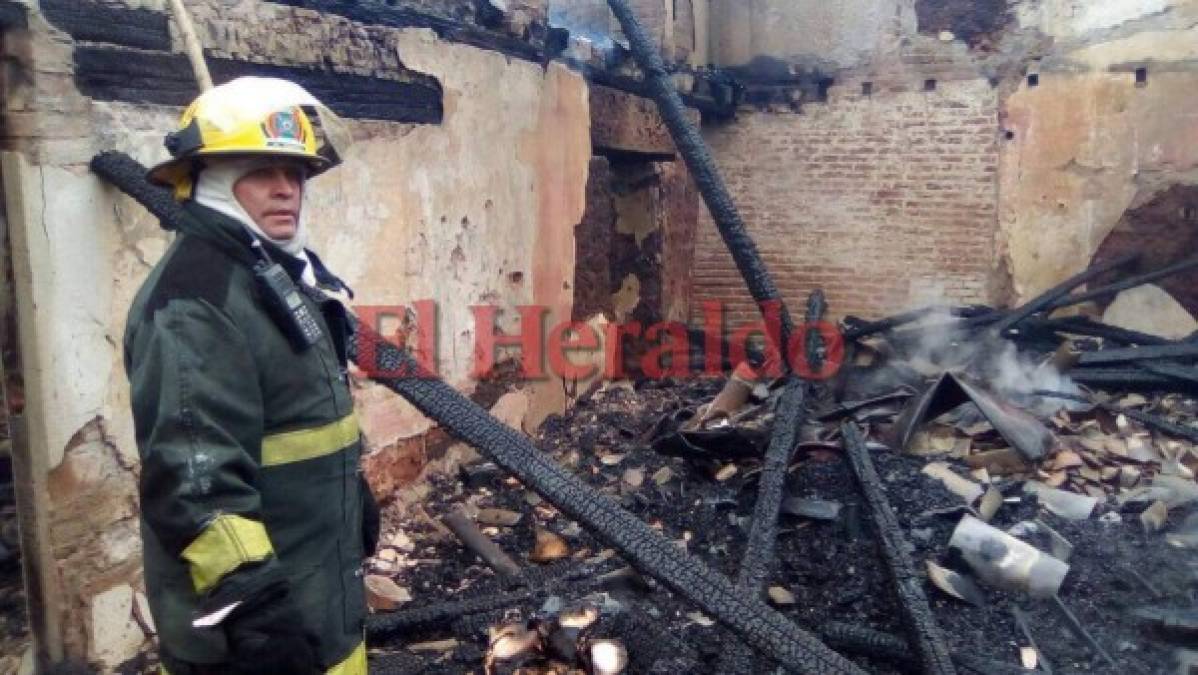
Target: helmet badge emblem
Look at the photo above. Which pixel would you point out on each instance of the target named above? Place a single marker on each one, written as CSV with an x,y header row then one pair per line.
x,y
283,130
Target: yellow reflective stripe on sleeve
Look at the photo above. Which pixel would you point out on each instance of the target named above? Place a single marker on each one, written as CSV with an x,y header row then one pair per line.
x,y
354,664
226,544
302,444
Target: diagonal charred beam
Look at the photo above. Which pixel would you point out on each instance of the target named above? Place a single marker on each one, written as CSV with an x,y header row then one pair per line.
x,y
924,632
642,546
1125,284
698,159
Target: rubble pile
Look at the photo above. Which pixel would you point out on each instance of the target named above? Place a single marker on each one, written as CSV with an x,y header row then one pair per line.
x,y
954,501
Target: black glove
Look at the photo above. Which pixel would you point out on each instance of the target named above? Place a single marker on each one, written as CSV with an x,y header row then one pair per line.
x,y
371,520
265,632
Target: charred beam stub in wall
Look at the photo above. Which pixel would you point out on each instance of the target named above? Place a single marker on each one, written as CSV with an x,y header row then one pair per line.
x,y
978,22
92,22
13,15
449,20
123,54
115,74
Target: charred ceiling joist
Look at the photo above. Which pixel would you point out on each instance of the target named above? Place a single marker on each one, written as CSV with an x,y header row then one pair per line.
x,y
13,15
125,55
455,28
114,74
977,22
91,22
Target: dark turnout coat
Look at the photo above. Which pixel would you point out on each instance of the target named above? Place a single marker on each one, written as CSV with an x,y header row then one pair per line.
x,y
249,446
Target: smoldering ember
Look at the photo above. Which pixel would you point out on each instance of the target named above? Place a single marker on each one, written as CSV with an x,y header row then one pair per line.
x,y
868,326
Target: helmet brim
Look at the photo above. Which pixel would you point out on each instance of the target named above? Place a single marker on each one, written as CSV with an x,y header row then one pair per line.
x,y
171,172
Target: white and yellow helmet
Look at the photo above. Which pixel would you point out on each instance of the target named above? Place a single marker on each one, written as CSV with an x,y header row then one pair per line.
x,y
251,116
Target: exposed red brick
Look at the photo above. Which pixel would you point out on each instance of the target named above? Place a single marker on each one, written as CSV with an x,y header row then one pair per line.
x,y
876,200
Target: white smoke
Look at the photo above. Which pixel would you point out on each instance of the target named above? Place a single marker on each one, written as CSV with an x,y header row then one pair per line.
x,y
997,363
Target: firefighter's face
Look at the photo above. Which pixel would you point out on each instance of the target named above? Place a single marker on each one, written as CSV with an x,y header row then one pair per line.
x,y
273,195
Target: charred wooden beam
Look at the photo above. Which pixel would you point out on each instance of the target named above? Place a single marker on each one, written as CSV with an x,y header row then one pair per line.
x,y
1133,354
89,21
453,29
856,329
1046,299
1125,378
642,546
116,74
1110,290
1177,371
763,533
1081,325
924,632
698,159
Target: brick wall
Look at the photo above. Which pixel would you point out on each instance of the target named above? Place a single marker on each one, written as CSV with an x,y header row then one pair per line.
x,y
884,201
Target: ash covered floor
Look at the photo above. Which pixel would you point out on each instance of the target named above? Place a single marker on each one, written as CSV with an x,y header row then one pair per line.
x,y
828,576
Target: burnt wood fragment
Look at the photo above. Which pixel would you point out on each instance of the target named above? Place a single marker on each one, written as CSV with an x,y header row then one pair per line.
x,y
115,74
856,328
1155,421
480,544
924,632
575,578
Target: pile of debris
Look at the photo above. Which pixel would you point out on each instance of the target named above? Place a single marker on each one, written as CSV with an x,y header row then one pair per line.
x,y
1019,520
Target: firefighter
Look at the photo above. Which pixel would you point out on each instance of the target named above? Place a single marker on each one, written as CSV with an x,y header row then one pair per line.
x,y
252,504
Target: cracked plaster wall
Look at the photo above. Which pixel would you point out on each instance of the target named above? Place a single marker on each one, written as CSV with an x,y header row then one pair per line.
x,y
443,212
1087,144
